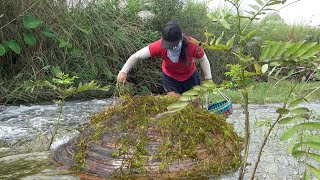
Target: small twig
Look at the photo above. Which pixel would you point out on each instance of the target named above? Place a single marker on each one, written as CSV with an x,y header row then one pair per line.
x,y
288,4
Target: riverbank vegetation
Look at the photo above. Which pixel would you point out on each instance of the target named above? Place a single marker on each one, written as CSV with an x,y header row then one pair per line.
x,y
92,40
267,92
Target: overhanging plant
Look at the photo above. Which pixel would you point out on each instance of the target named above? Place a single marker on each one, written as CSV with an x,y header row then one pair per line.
x,y
273,57
63,86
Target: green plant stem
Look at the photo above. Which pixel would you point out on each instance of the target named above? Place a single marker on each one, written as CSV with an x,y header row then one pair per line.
x,y
247,135
57,124
269,132
251,19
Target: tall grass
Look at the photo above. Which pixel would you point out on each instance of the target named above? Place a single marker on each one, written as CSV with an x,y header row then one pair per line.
x,y
105,34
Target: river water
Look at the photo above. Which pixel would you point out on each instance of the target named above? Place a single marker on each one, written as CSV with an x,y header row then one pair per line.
x,y
25,132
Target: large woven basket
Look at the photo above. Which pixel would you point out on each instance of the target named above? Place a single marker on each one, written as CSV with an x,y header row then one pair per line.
x,y
222,107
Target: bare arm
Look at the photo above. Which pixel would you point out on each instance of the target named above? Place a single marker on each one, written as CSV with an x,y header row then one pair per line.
x,y
205,66
133,59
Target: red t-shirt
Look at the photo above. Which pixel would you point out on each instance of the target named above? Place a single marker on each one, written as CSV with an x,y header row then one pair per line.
x,y
179,71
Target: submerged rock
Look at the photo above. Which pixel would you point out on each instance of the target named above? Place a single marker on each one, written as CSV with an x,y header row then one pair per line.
x,y
137,137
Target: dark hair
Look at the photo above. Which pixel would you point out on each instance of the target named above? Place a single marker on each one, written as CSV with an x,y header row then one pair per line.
x,y
184,52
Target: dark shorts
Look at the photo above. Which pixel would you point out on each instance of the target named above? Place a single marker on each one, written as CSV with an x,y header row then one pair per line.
x,y
180,87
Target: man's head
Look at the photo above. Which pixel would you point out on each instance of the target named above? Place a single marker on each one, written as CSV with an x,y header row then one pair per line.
x,y
171,35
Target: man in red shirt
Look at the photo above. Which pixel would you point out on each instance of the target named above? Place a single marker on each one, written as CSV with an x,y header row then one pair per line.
x,y
177,53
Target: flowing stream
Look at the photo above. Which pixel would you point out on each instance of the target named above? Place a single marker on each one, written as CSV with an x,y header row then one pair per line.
x,y
25,132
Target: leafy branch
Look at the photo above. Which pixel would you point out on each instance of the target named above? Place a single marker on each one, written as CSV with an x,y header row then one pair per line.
x,y
62,85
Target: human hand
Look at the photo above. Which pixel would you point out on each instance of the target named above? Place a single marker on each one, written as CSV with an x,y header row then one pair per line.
x,y
210,80
122,77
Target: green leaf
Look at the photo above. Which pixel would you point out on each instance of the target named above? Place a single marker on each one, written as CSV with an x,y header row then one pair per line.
x,y
92,85
29,38
200,88
14,46
257,68
273,50
2,50
86,29
249,74
76,52
283,48
63,43
292,143
286,120
211,41
244,17
56,70
313,145
311,52
31,22
219,39
282,111
303,49
187,98
264,68
177,105
272,70
271,3
293,48
265,52
310,125
70,91
297,146
314,156
260,2
49,33
289,133
251,12
216,47
207,34
307,144
209,84
231,42
191,93
255,7
306,175
213,16
301,110
298,154
313,138
290,119
295,103
314,171
225,23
